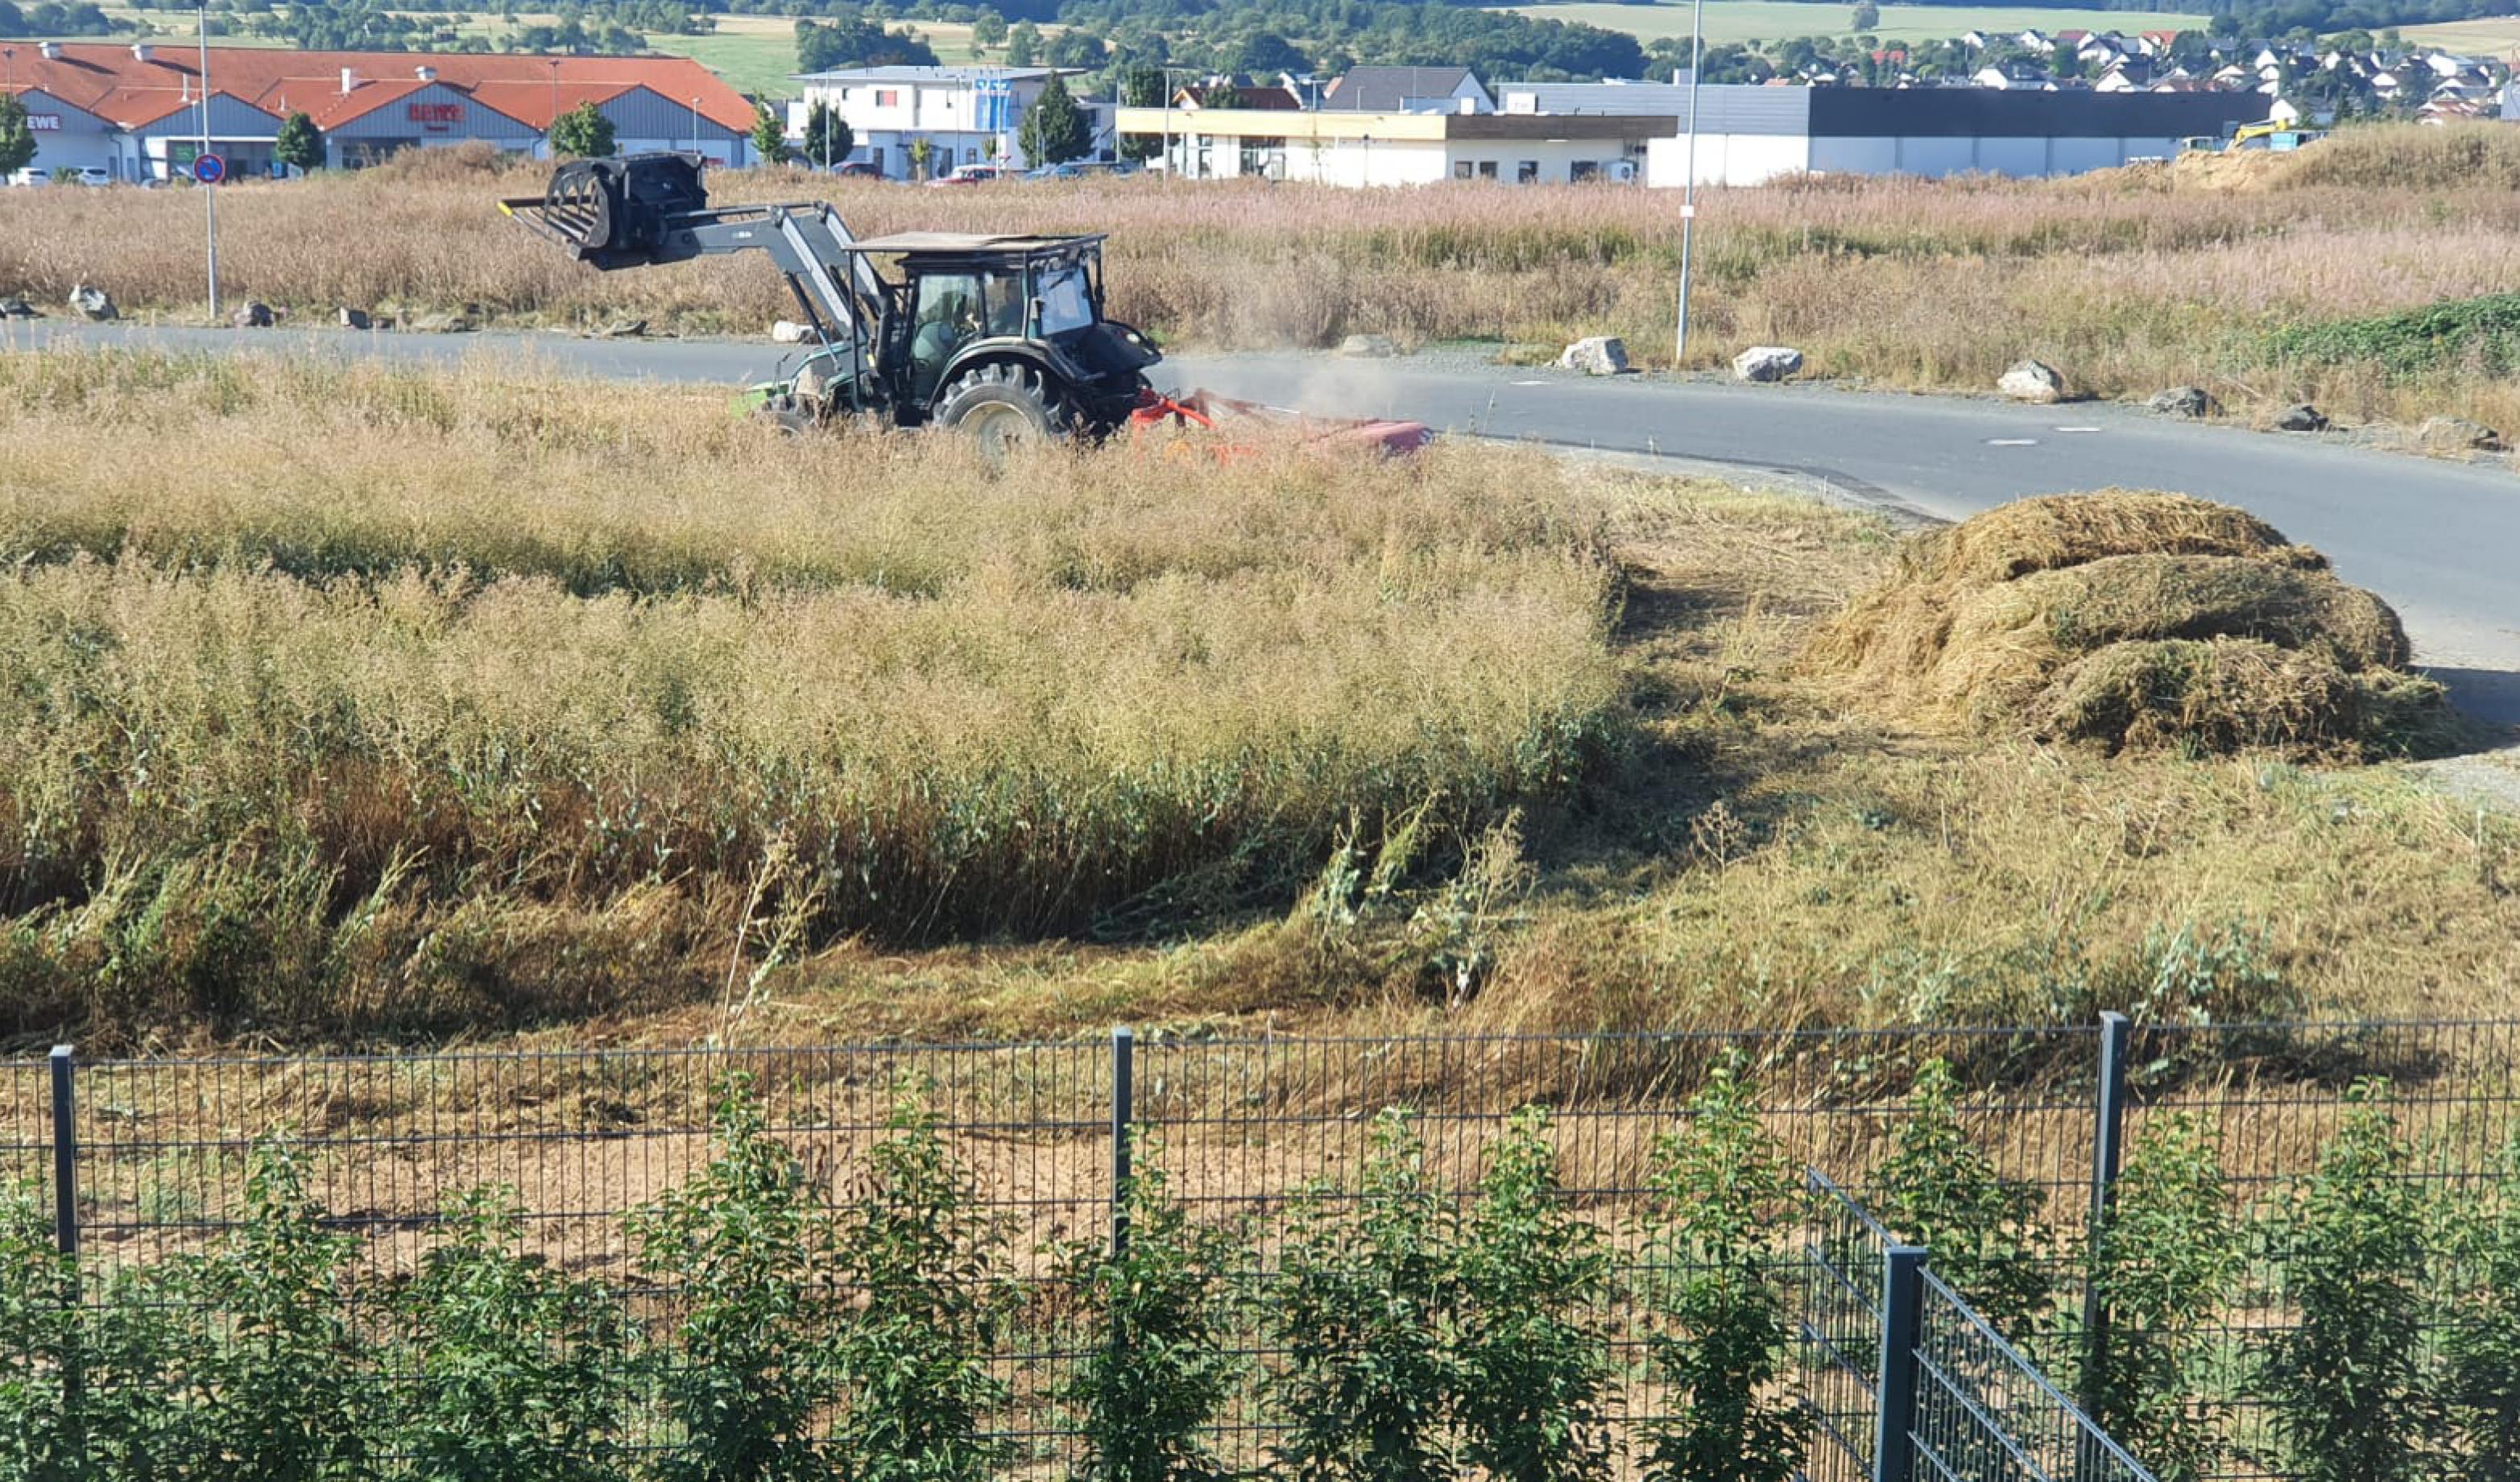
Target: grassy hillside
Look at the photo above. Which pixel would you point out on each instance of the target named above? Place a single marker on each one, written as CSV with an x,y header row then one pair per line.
x,y
1776,19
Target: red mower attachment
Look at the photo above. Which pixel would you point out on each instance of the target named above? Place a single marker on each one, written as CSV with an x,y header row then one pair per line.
x,y
1211,413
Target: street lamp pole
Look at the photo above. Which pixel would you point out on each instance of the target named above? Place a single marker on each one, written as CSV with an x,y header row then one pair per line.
x,y
1689,185
695,127
209,193
551,147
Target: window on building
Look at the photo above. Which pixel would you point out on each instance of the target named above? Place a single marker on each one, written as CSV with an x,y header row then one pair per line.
x,y
1584,169
1527,173
1487,169
888,96
1461,169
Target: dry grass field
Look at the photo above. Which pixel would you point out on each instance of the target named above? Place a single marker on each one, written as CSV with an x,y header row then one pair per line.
x,y
408,705
435,701
2127,281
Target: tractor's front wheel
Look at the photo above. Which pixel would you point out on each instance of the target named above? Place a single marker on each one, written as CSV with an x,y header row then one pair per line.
x,y
1002,406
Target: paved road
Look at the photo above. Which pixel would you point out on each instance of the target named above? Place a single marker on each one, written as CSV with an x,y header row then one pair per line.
x,y
2440,540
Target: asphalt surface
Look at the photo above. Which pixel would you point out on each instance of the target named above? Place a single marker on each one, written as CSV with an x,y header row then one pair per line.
x,y
2440,540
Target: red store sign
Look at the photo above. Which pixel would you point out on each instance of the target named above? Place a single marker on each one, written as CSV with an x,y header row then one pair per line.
x,y
437,116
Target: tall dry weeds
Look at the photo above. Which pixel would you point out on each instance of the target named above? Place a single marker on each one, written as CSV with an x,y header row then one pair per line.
x,y
411,699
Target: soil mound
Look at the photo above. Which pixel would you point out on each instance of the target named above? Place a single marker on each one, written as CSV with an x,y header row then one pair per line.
x,y
2131,621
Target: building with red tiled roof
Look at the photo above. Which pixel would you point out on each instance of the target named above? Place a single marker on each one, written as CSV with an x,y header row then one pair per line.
x,y
137,110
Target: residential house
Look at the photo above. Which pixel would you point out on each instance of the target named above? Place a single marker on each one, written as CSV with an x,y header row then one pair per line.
x,y
2014,75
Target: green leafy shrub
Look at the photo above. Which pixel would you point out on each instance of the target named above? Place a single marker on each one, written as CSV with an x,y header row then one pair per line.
x,y
2348,1384
284,1389
1531,1360
2483,1347
1718,1335
143,1415
1361,1313
2411,342
519,1372
37,1332
750,1362
1939,1190
1158,1372
925,1254
2164,1264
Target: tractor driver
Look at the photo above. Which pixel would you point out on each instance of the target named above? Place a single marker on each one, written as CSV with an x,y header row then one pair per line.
x,y
949,313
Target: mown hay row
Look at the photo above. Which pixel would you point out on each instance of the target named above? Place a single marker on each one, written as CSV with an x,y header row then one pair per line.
x,y
2133,622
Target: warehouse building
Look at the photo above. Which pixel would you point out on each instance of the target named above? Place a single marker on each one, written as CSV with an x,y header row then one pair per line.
x,y
136,112
1753,135
1348,149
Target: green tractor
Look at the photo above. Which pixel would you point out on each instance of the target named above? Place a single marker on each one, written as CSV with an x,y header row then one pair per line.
x,y
1002,338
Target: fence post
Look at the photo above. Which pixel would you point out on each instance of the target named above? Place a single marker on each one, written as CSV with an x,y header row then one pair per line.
x,y
64,1152
1903,1293
1124,1059
65,1236
2108,1147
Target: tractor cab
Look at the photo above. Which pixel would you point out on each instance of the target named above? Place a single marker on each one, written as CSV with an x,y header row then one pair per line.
x,y
956,303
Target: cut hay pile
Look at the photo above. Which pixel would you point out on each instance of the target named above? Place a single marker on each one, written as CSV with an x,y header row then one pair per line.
x,y
2135,621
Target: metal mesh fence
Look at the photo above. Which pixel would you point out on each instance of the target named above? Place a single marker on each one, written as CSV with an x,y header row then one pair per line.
x,y
1983,1414
1249,1131
2271,1097
1840,1332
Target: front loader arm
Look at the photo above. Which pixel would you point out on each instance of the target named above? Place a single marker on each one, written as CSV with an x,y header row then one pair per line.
x,y
642,211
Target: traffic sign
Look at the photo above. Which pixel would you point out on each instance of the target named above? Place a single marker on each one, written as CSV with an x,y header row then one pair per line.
x,y
210,169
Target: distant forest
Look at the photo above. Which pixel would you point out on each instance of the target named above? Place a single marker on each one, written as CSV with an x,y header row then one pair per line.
x,y
1113,40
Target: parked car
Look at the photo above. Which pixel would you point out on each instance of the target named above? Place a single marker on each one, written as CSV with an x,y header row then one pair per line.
x,y
38,174
974,174
1082,169
860,170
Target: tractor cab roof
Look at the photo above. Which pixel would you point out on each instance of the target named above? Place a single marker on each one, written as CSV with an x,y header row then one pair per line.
x,y
973,245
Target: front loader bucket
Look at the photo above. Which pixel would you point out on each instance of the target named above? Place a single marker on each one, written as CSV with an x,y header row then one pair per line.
x,y
613,212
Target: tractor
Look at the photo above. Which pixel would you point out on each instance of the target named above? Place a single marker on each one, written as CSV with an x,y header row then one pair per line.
x,y
999,337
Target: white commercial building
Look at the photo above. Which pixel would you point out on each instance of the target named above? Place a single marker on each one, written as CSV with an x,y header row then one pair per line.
x,y
965,115
1753,135
1395,148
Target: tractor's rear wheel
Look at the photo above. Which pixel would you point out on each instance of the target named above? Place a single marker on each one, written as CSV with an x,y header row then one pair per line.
x,y
1003,407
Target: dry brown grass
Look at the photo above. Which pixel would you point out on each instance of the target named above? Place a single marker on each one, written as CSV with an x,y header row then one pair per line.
x,y
396,711
411,701
2129,280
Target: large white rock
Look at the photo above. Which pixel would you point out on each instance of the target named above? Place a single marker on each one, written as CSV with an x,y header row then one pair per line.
x,y
1368,347
1767,362
2033,381
1599,355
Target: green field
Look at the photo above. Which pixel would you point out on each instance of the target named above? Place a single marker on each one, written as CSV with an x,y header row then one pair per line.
x,y
1777,20
755,53
2487,36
